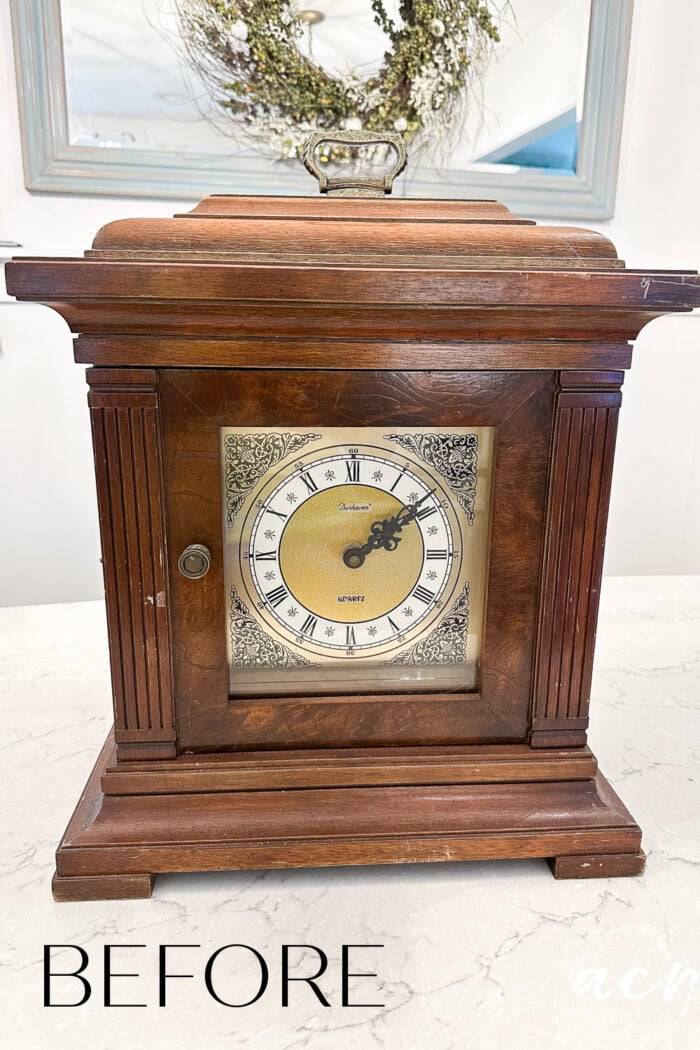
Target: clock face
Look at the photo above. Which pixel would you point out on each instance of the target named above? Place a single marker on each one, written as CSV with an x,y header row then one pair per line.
x,y
350,552
352,558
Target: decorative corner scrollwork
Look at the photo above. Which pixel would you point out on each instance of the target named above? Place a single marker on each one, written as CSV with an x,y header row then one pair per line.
x,y
248,457
454,456
447,643
252,647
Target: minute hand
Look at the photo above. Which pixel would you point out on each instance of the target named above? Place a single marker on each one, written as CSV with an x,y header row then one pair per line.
x,y
410,511
384,534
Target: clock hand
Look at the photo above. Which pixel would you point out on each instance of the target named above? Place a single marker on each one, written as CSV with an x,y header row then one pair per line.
x,y
383,534
412,509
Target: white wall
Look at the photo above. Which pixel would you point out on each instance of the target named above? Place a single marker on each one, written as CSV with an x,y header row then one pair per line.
x,y
655,512
48,520
49,540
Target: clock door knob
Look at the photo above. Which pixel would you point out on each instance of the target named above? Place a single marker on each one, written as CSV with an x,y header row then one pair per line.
x,y
194,561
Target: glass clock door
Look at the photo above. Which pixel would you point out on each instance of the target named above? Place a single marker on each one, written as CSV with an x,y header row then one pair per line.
x,y
354,556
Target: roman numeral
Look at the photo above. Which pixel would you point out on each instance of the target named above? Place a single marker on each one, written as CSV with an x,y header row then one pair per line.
x,y
277,596
309,482
396,483
423,594
352,469
349,635
277,513
309,625
425,512
436,555
266,555
393,625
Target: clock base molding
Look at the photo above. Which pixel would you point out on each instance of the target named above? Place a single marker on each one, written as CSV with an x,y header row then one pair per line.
x,y
116,844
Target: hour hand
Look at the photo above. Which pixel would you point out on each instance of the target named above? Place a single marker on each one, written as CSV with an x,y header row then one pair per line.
x,y
383,534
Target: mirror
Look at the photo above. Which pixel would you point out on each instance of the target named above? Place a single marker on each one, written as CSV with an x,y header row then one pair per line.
x,y
111,105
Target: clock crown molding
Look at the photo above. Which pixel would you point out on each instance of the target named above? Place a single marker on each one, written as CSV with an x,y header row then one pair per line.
x,y
441,270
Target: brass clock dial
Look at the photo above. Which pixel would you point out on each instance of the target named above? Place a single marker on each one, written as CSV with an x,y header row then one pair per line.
x,y
327,508
345,556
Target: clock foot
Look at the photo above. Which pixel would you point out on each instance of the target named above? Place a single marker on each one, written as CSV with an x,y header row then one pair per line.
x,y
101,887
597,866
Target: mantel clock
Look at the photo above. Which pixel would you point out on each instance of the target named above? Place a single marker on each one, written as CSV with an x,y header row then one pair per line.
x,y
353,460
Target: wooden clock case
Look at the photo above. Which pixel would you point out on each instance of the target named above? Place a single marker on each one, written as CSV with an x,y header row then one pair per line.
x,y
261,311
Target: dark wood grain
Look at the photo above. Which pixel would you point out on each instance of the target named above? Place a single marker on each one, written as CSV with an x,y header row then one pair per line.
x,y
579,494
347,767
142,835
225,282
327,816
274,352
598,866
324,238
253,311
381,209
101,887
321,321
196,403
126,437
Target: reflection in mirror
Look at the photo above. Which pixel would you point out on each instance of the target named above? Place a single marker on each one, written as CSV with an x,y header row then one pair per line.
x,y
129,84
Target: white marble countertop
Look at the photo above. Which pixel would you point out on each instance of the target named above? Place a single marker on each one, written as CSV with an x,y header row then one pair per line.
x,y
475,956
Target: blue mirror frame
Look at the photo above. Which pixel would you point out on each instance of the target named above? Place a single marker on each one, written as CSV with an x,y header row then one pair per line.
x,y
53,165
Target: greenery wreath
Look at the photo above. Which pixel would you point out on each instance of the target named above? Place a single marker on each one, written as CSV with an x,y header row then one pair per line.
x,y
248,54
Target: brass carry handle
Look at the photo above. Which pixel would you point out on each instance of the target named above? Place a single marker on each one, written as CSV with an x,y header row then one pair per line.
x,y
355,185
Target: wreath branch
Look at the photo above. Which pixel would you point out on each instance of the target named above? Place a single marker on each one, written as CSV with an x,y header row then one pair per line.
x,y
248,54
